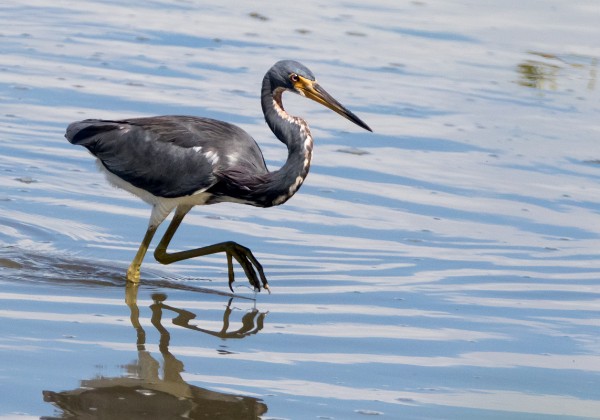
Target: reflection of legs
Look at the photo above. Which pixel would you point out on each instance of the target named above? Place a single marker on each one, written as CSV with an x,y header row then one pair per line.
x,y
131,290
252,322
233,250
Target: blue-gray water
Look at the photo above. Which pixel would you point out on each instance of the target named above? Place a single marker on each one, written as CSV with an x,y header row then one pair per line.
x,y
445,266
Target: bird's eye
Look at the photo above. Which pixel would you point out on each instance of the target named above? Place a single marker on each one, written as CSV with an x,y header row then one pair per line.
x,y
294,77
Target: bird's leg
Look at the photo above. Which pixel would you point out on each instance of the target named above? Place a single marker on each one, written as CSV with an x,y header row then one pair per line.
x,y
159,213
133,272
242,254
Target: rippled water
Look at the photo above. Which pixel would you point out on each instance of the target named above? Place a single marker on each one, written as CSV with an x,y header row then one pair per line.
x,y
445,266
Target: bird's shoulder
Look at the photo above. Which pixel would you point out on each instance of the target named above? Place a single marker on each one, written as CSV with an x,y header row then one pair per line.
x,y
188,131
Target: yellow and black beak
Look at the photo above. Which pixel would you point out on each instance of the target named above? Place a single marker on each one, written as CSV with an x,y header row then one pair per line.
x,y
312,90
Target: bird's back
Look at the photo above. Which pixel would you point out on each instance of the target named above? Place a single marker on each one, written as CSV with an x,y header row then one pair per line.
x,y
169,156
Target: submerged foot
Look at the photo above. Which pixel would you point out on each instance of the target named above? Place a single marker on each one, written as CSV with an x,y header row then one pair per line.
x,y
133,275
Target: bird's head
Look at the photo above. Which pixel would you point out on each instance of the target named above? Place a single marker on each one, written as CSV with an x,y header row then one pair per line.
x,y
295,77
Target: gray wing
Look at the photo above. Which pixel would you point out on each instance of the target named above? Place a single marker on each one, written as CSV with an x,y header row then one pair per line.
x,y
169,156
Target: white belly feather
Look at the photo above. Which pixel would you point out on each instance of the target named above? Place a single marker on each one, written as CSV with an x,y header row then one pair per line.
x,y
161,206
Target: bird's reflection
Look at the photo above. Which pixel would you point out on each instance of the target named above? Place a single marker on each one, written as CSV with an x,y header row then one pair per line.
x,y
252,322
143,393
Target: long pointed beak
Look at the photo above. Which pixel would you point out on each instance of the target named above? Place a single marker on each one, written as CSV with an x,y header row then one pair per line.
x,y
314,91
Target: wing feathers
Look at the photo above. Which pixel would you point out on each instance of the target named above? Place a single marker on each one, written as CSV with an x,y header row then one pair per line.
x,y
146,157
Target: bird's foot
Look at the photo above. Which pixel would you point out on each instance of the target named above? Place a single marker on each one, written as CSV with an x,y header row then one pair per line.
x,y
252,268
131,290
133,275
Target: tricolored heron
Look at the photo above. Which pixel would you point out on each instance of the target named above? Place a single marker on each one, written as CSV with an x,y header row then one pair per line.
x,y
177,162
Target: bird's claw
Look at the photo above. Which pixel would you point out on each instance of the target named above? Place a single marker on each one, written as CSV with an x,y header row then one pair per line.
x,y
252,268
266,287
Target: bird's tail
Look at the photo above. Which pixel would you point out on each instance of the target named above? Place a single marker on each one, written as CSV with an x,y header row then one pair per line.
x,y
80,132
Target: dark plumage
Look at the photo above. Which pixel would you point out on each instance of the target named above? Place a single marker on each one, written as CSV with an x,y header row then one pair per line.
x,y
176,162
167,156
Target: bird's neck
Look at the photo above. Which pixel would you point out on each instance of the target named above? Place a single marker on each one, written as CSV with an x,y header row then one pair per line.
x,y
294,133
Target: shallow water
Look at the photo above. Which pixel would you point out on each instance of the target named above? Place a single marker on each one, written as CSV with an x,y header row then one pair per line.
x,y
445,266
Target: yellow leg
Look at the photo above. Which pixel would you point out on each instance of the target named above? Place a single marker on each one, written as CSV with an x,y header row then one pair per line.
x,y
242,254
133,272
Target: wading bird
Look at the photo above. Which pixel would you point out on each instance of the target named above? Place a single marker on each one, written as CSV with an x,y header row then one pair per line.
x,y
177,162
